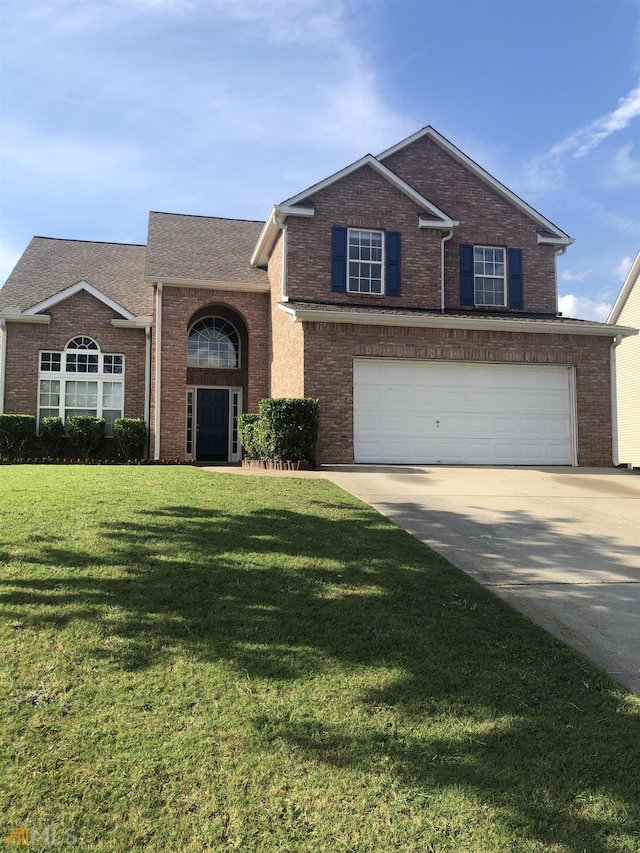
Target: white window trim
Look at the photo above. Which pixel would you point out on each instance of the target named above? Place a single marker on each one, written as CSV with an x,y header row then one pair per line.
x,y
62,376
382,262
502,304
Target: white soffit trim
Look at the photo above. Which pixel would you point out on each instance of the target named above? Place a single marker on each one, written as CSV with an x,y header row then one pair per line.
x,y
562,239
247,286
270,231
14,315
440,321
138,323
629,281
76,288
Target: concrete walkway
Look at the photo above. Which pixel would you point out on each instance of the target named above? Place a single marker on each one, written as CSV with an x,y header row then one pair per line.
x,y
561,545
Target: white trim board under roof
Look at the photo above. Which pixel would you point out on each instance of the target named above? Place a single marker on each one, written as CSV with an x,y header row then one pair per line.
x,y
244,286
71,291
333,314
437,219
550,233
629,281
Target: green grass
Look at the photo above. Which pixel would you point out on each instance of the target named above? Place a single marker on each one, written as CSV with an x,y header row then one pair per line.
x,y
198,662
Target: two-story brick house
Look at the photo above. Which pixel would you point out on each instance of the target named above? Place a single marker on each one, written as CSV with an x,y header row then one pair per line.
x,y
412,293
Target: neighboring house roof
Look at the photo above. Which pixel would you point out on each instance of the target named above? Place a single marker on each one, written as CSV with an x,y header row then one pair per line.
x,y
632,279
373,316
208,250
49,266
549,233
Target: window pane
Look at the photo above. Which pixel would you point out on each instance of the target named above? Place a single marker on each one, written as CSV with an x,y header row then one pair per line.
x,y
112,395
81,395
50,361
50,393
213,342
113,364
365,261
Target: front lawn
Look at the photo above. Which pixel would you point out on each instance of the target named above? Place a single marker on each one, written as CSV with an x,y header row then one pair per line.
x,y
200,662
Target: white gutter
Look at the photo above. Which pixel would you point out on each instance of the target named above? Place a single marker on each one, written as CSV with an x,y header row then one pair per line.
x,y
3,360
443,240
561,251
147,385
283,228
156,429
614,401
17,317
440,321
240,286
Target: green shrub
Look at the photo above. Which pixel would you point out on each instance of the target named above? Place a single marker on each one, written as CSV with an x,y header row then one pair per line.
x,y
86,433
250,435
289,429
52,435
130,435
17,434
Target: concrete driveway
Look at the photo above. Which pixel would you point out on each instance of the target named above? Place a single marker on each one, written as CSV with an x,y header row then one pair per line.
x,y
562,545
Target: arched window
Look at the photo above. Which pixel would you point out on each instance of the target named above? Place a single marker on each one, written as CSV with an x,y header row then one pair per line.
x,y
213,342
82,355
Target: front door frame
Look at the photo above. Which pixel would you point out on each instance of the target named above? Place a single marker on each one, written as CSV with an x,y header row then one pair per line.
x,y
234,451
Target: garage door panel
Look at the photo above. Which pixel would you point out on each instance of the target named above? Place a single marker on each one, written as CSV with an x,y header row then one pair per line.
x,y
473,413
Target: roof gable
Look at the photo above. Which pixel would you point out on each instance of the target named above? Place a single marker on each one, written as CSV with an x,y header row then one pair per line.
x,y
76,288
548,232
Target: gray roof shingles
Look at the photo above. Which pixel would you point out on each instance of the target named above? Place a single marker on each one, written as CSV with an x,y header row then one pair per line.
x,y
202,248
49,265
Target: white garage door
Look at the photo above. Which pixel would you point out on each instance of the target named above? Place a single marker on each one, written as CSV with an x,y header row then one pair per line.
x,y
462,413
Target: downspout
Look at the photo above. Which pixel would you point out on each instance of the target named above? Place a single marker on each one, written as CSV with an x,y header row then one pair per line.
x,y
443,240
156,427
557,253
614,401
3,360
283,228
147,386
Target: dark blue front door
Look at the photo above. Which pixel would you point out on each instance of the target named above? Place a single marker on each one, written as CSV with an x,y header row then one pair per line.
x,y
212,425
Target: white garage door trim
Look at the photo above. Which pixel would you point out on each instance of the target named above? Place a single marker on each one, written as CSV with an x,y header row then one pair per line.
x,y
410,411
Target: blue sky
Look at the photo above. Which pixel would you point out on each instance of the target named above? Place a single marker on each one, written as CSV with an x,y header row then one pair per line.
x,y
112,108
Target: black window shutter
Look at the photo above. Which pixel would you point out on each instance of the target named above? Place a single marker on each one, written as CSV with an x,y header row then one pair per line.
x,y
392,263
467,288
339,260
516,299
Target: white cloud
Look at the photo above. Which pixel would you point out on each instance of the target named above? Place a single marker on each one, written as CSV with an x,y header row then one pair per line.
x,y
546,171
567,275
625,170
584,308
622,270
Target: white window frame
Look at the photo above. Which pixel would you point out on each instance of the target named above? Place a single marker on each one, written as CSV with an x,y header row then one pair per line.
x,y
502,278
380,263
99,377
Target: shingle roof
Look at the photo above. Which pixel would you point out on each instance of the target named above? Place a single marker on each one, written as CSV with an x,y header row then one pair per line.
x,y
50,265
202,248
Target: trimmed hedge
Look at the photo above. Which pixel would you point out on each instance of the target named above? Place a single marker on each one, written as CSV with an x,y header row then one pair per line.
x,y
52,435
250,435
86,433
284,430
130,435
17,434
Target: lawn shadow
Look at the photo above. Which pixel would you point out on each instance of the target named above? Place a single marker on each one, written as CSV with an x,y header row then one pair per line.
x,y
282,593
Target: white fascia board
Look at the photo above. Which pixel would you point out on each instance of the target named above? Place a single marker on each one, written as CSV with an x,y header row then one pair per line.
x,y
629,281
11,316
270,231
435,223
244,286
438,321
555,241
76,288
395,180
139,323
562,240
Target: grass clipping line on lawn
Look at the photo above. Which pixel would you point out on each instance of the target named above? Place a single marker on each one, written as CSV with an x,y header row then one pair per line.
x,y
195,662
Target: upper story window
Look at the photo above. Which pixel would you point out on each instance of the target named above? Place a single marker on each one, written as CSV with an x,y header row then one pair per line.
x,y
99,393
365,262
490,275
213,342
